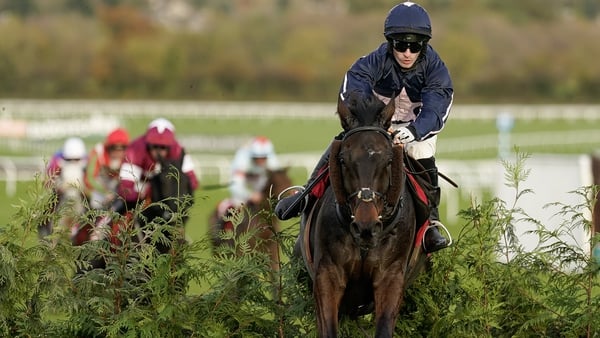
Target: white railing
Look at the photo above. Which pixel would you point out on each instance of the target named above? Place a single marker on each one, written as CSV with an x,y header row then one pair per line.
x,y
42,109
15,169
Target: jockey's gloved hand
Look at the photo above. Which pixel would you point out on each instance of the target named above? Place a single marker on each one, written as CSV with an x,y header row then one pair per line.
x,y
404,135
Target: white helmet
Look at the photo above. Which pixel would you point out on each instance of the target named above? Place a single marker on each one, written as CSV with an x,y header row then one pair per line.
x,y
74,149
261,147
161,124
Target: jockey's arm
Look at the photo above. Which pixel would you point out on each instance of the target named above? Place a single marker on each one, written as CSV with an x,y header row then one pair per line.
x,y
91,175
238,188
131,187
52,172
188,168
256,197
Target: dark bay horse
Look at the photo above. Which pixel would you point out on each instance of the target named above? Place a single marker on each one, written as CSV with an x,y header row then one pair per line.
x,y
256,218
359,240
170,200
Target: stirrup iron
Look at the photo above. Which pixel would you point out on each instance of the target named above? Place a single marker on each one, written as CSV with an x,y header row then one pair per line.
x,y
437,224
299,188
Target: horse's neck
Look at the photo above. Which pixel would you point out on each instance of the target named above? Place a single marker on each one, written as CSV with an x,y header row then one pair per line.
x,y
170,183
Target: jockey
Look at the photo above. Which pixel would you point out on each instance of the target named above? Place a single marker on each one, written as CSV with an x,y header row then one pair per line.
x,y
65,175
66,167
407,67
249,173
141,163
102,172
249,170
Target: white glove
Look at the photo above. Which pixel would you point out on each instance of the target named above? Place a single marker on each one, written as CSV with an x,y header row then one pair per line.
x,y
403,136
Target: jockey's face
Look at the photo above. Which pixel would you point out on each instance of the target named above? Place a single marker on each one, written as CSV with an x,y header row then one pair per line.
x,y
116,154
260,161
158,151
406,53
406,59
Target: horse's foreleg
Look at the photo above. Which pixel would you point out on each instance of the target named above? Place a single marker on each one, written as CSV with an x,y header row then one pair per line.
x,y
328,291
388,295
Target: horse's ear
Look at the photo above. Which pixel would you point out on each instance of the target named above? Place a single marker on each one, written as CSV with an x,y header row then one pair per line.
x,y
335,174
385,117
344,113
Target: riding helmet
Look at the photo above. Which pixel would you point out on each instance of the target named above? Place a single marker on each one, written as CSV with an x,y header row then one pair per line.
x,y
160,136
261,147
73,149
118,136
161,123
407,18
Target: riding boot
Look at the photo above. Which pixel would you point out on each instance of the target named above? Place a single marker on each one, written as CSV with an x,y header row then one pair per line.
x,y
289,207
434,241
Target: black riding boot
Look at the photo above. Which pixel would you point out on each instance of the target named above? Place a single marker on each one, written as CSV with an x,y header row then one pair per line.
x,y
289,207
434,241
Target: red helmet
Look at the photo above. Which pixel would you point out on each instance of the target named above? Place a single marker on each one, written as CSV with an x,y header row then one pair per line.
x,y
118,136
160,136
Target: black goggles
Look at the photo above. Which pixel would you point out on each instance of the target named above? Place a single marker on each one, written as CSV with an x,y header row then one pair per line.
x,y
116,147
402,46
158,147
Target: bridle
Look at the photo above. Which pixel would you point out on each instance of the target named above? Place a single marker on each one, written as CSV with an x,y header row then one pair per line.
x,y
391,198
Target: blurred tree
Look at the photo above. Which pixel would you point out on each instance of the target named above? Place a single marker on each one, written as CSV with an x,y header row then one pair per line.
x,y
590,9
124,22
358,6
84,7
22,8
524,11
288,49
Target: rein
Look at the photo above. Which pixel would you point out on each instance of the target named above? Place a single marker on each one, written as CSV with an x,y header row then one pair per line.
x,y
367,128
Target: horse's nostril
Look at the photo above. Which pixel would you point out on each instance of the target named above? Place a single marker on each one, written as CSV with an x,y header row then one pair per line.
x,y
366,232
377,228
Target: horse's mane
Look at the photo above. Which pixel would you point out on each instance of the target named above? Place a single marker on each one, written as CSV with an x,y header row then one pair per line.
x,y
362,107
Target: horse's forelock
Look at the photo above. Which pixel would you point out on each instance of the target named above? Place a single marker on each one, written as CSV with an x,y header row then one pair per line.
x,y
366,109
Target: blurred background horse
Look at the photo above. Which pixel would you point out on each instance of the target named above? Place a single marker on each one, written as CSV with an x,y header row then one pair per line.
x,y
170,202
70,202
253,218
